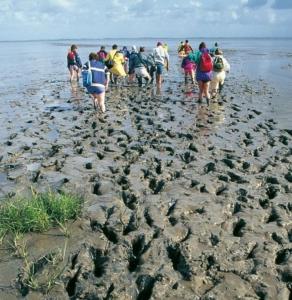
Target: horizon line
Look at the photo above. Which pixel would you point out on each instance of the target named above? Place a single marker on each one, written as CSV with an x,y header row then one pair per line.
x,y
159,38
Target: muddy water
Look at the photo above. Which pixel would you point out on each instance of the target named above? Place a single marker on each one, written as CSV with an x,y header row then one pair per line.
x,y
183,200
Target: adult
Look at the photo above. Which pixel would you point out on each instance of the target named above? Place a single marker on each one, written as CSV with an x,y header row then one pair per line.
x,y
187,47
126,54
140,65
151,66
161,59
102,54
100,80
73,63
117,60
189,68
180,47
203,60
212,50
132,57
220,67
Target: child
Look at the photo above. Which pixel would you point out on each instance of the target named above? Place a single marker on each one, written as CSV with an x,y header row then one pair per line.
x,y
189,69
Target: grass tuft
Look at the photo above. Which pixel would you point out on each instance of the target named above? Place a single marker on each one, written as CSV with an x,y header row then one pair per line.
x,y
38,213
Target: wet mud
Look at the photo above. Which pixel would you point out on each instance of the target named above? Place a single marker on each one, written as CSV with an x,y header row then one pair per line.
x,y
183,200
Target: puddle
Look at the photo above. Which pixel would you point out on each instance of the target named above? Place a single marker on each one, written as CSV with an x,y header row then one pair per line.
x,y
54,107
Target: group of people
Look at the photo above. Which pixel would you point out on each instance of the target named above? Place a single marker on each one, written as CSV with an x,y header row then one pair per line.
x,y
204,65
208,66
109,66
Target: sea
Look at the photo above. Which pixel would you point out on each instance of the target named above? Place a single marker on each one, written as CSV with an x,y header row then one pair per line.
x,y
26,65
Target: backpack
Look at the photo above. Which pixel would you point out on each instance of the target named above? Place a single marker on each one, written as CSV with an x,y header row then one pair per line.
x,y
110,63
87,76
218,64
206,64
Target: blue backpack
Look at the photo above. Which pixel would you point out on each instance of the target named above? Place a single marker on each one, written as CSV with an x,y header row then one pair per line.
x,y
87,76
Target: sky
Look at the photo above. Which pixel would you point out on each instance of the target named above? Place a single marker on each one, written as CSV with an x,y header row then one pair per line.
x,y
75,19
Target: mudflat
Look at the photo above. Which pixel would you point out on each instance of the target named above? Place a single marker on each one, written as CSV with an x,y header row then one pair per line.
x,y
183,200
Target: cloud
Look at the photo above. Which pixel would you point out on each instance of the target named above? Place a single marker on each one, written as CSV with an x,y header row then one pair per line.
x,y
29,19
282,4
256,3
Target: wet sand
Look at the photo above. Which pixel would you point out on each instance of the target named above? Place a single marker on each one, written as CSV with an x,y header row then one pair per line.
x,y
183,200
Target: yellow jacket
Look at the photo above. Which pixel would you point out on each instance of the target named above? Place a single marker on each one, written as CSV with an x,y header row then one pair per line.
x,y
119,60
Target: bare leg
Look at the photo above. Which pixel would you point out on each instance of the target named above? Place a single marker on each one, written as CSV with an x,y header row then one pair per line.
x,y
158,79
206,91
193,76
93,101
200,90
71,70
100,100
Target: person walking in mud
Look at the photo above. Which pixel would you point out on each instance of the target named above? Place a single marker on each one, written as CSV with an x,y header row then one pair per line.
x,y
74,64
161,59
100,80
115,62
220,67
204,69
140,66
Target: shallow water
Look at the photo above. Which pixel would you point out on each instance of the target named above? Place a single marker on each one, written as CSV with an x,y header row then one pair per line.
x,y
40,63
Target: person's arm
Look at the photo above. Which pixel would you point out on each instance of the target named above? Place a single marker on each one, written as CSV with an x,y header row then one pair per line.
x,y
78,60
226,65
167,60
107,78
107,57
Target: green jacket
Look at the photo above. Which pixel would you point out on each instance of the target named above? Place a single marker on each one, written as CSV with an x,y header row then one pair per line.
x,y
195,56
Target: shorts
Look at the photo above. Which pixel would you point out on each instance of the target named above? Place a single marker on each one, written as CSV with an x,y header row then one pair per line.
x,y
203,76
131,71
142,72
159,69
96,89
73,68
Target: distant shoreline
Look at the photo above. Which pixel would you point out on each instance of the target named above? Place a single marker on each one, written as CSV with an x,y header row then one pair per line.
x,y
142,38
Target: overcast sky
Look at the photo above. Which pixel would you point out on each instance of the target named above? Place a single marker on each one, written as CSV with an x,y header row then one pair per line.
x,y
49,19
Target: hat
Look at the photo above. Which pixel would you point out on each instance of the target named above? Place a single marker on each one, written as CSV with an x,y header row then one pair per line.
x,y
218,52
134,48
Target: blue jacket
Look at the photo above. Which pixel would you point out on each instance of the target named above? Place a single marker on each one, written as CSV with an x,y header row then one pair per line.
x,y
98,70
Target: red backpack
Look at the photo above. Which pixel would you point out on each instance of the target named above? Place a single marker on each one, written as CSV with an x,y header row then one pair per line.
x,y
206,64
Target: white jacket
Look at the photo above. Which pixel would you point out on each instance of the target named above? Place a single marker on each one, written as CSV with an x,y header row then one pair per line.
x,y
160,55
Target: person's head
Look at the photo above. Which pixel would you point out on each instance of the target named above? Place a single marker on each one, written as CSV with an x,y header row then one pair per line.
x,y
187,41
202,46
159,44
134,48
93,56
102,48
73,48
115,47
125,48
216,44
218,52
181,42
142,49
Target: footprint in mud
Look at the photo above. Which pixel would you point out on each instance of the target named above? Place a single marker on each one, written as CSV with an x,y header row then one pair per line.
x,y
179,262
238,229
139,247
156,186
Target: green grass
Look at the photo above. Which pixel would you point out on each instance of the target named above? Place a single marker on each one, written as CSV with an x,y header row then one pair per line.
x,y
38,213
